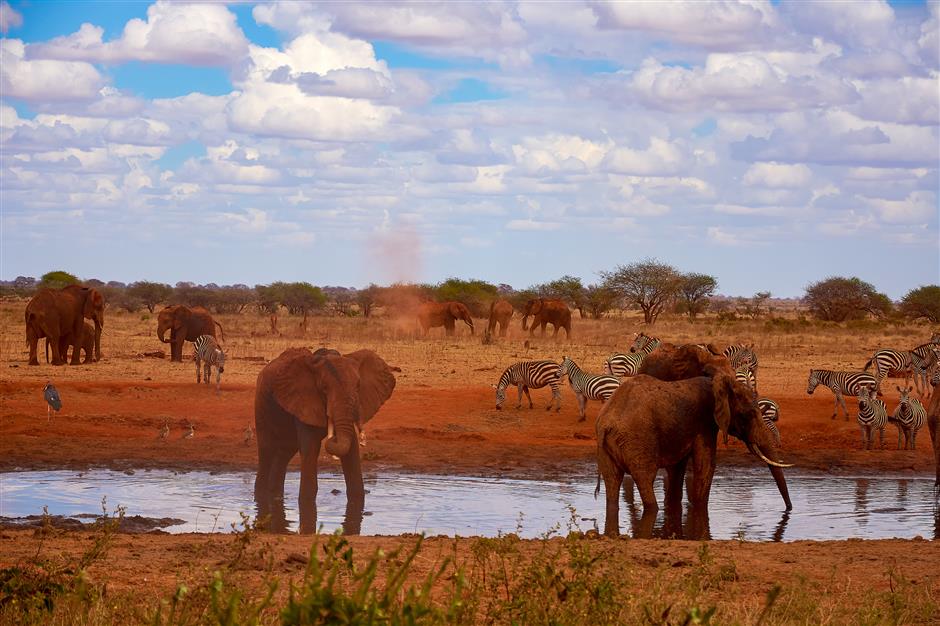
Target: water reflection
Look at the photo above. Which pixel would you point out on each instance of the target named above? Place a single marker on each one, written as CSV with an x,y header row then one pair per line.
x,y
743,504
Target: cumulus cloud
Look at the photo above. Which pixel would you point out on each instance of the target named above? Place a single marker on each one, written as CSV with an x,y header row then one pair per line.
x,y
661,158
9,18
45,80
916,208
199,34
778,175
532,225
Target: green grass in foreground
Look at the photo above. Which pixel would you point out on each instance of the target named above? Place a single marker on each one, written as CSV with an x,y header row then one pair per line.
x,y
573,579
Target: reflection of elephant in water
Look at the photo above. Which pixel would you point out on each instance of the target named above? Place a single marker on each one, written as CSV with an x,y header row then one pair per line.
x,y
500,313
434,314
546,311
87,346
297,393
650,423
184,324
58,313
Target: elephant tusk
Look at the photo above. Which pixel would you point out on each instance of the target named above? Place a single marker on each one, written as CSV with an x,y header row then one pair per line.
x,y
757,451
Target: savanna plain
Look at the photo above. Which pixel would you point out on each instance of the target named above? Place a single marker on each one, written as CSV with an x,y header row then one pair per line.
x,y
441,419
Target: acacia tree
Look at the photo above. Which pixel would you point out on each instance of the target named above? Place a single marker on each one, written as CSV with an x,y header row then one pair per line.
x,y
837,299
599,299
649,284
694,293
567,288
302,298
923,302
57,279
149,294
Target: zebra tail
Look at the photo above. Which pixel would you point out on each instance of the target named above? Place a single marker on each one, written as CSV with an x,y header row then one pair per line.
x,y
221,332
867,365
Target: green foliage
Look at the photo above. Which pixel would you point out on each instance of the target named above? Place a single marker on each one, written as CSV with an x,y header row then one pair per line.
x,y
57,279
694,293
599,299
149,294
302,298
649,284
922,303
476,294
367,298
837,299
192,295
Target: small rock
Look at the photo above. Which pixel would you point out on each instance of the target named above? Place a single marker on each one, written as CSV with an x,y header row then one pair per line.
x,y
335,492
296,557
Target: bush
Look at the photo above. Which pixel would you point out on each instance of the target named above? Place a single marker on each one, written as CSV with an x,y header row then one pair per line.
x,y
922,303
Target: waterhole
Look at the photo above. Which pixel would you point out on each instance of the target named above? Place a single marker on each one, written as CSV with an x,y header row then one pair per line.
x,y
745,504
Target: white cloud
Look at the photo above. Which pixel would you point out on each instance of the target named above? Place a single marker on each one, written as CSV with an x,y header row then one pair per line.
x,y
929,41
778,175
9,18
532,225
45,80
661,158
863,23
722,237
916,208
199,34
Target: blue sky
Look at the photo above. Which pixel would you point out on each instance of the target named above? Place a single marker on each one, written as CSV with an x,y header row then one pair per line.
x,y
770,144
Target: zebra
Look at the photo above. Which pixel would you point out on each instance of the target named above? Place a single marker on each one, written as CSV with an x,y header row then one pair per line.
x,y
529,375
872,415
841,384
744,373
740,354
909,416
910,362
621,365
770,413
207,351
587,386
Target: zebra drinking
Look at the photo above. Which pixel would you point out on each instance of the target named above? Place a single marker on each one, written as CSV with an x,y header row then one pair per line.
x,y
587,386
841,384
622,365
529,375
909,416
207,351
872,415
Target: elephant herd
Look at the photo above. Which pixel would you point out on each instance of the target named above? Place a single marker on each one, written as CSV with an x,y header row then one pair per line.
x,y
543,311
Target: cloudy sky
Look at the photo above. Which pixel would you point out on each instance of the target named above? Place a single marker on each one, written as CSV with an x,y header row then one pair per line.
x,y
770,144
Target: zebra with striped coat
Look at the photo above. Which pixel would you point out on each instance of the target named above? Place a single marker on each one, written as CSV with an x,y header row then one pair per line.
x,y
740,354
527,375
872,416
587,386
622,365
841,383
208,353
769,410
908,362
909,416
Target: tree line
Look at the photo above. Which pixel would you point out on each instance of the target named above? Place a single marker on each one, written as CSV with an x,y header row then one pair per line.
x,y
650,286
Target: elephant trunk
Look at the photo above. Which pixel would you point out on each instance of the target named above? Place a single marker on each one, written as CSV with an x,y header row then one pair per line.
x,y
525,319
99,324
781,485
161,333
345,439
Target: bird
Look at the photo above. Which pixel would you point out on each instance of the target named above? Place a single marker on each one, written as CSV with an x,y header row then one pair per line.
x,y
191,433
165,430
249,433
53,401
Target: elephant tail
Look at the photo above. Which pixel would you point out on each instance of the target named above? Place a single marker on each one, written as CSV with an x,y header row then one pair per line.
x,y
221,332
597,487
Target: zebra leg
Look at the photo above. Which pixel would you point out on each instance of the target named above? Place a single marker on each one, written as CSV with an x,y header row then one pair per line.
x,y
528,396
845,409
555,396
198,370
208,372
519,389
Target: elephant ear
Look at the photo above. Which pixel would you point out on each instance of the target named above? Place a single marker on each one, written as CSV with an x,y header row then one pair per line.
x,y
376,382
455,311
721,389
181,317
94,302
295,385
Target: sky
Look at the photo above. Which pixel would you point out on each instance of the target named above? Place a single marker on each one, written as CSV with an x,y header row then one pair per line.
x,y
769,144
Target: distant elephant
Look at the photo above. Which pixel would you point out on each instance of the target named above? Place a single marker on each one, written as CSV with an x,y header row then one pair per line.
x,y
297,396
434,314
547,311
58,313
500,313
649,423
87,346
185,324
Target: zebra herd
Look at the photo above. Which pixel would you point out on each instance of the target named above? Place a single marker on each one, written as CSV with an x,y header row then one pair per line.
x,y
922,363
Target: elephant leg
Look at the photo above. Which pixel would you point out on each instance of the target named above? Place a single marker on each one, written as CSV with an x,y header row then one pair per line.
x,y
502,329
269,486
528,396
582,404
544,324
675,477
644,478
628,489
355,492
703,470
309,438
613,478
57,356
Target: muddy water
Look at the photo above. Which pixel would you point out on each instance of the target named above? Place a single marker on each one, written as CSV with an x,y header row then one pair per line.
x,y
744,504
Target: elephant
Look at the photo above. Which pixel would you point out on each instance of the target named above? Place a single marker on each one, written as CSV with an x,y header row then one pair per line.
x,y
434,314
547,311
87,345
185,324
59,313
500,313
299,395
933,424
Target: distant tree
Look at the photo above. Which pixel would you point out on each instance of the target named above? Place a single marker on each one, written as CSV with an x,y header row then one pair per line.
x,y
192,295
476,294
753,307
367,298
598,300
567,288
57,279
149,294
649,284
302,298
269,297
519,298
93,282
24,285
837,299
231,299
694,293
923,302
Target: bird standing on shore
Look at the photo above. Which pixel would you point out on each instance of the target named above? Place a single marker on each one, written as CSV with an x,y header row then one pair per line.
x,y
191,433
165,430
53,401
249,434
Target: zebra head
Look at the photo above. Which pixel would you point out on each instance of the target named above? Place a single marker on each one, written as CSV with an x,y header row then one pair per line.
x,y
500,395
813,381
566,364
904,403
864,398
220,359
640,341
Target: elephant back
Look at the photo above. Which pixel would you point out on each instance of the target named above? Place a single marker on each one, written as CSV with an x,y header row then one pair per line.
x,y
670,362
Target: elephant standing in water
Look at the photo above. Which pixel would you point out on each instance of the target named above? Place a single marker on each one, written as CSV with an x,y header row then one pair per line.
x,y
185,324
434,314
650,423
546,311
297,396
500,313
59,315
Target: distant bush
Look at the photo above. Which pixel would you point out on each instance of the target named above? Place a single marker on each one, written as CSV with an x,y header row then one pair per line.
x,y
57,280
922,303
476,294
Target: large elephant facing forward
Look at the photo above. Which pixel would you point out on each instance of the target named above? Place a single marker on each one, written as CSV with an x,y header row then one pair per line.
x,y
434,314
297,393
185,324
547,311
59,313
